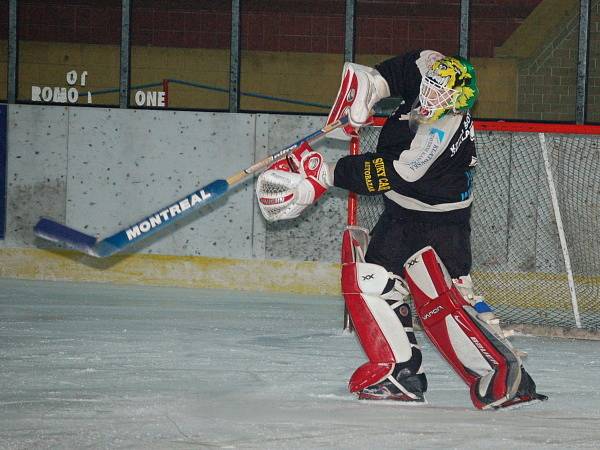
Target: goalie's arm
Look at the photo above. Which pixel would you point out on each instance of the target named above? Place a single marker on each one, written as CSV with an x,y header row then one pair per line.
x,y
365,174
288,187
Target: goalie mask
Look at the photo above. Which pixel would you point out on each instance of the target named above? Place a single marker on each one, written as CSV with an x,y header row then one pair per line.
x,y
450,85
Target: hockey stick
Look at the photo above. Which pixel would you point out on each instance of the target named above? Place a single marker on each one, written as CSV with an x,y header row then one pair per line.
x,y
71,238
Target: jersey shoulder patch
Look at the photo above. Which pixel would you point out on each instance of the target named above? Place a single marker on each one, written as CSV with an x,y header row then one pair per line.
x,y
428,144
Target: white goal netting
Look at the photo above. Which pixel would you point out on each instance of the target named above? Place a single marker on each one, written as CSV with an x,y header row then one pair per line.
x,y
535,222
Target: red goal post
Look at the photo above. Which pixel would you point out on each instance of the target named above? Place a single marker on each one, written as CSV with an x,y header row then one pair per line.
x,y
535,222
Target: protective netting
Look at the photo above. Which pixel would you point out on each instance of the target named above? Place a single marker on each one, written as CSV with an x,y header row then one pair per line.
x,y
518,259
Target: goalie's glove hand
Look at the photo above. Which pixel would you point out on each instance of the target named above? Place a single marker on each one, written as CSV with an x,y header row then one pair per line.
x,y
288,186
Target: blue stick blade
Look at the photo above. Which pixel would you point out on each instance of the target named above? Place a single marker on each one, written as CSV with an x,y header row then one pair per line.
x,y
161,219
56,232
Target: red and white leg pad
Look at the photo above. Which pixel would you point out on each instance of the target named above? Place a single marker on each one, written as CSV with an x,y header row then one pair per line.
x,y
487,365
377,326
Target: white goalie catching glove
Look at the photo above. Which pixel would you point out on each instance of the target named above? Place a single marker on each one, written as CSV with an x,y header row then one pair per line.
x,y
362,87
289,186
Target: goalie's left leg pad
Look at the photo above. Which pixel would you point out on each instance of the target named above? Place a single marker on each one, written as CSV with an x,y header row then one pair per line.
x,y
377,327
486,364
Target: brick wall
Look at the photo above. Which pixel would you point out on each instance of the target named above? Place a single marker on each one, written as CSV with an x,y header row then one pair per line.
x,y
181,24
547,80
493,21
384,27
264,30
3,50
75,21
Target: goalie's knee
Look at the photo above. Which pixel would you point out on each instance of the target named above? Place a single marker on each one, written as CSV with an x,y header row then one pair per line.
x,y
372,297
374,279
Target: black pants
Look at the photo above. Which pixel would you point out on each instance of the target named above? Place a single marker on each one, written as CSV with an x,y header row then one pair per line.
x,y
394,240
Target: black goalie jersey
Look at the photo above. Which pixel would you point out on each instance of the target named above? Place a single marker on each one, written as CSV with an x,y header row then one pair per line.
x,y
424,176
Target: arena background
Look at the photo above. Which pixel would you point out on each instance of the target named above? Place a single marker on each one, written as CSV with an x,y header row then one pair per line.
x,y
98,166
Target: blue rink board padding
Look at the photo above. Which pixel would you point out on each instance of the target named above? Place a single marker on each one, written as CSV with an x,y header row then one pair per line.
x,y
3,109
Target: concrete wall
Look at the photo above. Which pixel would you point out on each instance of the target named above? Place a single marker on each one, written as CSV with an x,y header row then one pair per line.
x,y
545,50
100,169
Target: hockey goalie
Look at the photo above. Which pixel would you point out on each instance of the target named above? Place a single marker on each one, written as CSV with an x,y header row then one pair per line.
x,y
420,246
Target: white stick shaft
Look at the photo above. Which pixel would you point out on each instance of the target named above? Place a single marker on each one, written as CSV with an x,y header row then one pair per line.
x,y
264,163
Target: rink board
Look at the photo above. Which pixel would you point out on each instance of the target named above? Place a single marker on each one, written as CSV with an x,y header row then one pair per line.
x,y
543,318
299,277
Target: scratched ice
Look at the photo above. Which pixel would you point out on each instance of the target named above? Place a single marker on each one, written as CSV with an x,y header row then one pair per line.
x,y
101,366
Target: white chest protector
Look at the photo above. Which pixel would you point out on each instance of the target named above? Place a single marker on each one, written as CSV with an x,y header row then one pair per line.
x,y
429,143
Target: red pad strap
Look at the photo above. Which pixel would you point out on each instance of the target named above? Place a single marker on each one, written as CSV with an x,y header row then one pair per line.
x,y
295,157
282,164
292,162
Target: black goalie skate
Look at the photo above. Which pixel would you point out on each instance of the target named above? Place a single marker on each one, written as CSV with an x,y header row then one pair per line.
x,y
408,389
526,394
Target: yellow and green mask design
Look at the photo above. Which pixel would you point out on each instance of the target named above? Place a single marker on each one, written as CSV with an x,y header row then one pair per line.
x,y
459,74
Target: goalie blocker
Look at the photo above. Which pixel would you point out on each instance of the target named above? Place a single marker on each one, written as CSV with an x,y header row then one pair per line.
x,y
361,88
486,362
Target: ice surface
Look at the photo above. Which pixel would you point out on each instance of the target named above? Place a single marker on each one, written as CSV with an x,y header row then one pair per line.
x,y
101,366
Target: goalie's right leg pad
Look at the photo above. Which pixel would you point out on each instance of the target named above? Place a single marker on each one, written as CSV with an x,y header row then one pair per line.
x,y
383,325
406,377
487,364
